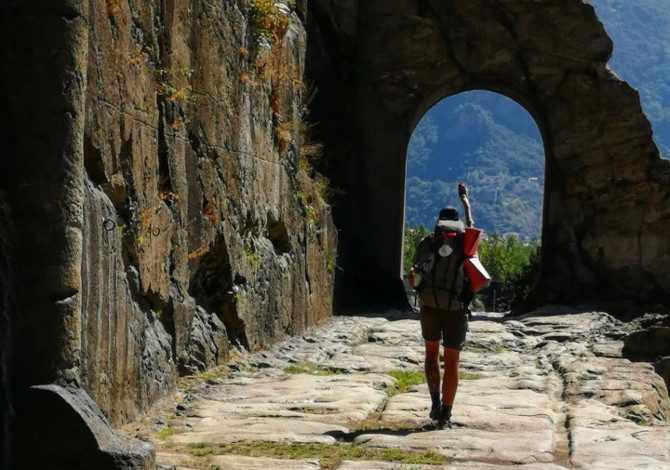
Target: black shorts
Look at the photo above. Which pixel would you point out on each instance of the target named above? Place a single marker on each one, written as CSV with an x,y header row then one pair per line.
x,y
451,326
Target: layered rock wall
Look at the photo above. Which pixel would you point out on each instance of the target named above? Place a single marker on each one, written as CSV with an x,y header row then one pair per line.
x,y
196,221
163,206
199,232
182,140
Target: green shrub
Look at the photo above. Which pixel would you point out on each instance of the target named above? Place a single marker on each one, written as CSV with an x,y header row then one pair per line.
x,y
252,258
411,240
504,258
514,268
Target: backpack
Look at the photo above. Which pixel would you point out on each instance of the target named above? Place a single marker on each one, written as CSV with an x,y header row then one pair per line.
x,y
440,257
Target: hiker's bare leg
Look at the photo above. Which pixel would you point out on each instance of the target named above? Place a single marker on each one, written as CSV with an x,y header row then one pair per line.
x,y
450,381
432,366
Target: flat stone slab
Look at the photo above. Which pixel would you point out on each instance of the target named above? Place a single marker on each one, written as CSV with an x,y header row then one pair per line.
x,y
237,462
380,465
169,460
537,392
295,408
472,444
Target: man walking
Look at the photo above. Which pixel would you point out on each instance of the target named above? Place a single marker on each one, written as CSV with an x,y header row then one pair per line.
x,y
444,294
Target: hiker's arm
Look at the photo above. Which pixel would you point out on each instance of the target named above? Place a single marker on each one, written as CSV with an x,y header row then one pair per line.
x,y
463,194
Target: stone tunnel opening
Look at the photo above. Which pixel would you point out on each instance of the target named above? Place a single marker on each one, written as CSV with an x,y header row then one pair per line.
x,y
492,144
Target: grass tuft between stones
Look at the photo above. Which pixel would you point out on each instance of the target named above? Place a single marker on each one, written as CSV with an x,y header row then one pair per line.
x,y
164,433
329,455
308,369
404,380
188,382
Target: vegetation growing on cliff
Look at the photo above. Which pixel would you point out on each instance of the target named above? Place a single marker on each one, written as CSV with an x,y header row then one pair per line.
x,y
268,21
276,69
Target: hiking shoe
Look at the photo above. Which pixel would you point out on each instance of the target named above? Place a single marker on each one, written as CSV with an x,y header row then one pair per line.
x,y
444,420
443,423
435,411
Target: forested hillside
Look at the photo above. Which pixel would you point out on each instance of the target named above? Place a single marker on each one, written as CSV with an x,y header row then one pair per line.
x,y
493,144
641,33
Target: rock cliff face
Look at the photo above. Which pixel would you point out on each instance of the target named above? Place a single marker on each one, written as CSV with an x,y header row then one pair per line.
x,y
194,213
606,203
163,204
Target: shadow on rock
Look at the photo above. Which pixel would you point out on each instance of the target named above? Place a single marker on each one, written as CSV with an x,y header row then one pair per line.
x,y
651,343
351,436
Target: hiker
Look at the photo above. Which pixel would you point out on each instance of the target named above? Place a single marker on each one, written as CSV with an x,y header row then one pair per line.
x,y
445,295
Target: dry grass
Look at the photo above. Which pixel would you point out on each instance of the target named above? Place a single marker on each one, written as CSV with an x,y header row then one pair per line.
x,y
173,84
246,77
113,7
136,58
195,254
177,124
329,455
308,369
167,195
210,211
191,381
322,188
282,133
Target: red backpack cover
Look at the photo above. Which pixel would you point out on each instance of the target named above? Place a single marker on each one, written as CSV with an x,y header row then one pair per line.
x,y
477,274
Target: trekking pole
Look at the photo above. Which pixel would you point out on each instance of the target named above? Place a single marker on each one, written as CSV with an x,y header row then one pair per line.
x,y
463,194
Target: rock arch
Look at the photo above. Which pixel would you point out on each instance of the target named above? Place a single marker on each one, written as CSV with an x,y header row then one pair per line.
x,y
607,203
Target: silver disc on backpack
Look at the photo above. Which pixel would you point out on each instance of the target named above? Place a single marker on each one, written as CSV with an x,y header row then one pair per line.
x,y
445,250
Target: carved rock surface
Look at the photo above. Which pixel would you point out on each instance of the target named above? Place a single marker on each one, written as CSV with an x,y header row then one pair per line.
x,y
211,245
536,392
74,434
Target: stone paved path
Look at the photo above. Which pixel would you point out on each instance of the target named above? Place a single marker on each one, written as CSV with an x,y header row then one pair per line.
x,y
537,392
